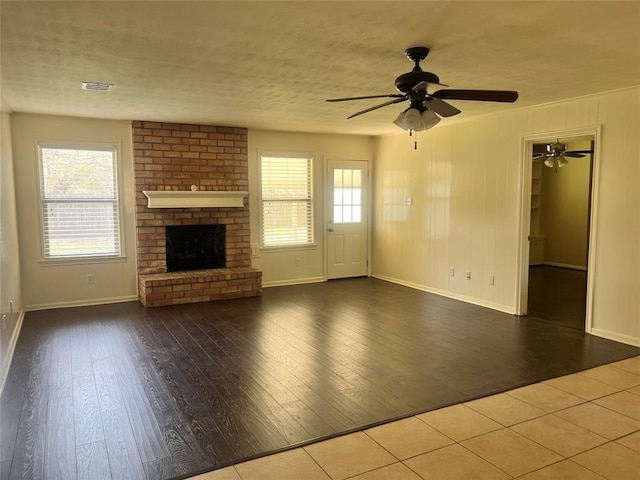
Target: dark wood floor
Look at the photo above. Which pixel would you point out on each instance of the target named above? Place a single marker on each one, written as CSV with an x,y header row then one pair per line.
x,y
118,391
558,295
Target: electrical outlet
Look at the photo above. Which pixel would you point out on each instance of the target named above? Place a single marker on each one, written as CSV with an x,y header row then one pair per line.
x,y
90,278
492,279
297,262
468,275
452,271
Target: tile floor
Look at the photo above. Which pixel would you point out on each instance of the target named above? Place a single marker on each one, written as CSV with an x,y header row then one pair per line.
x,y
583,426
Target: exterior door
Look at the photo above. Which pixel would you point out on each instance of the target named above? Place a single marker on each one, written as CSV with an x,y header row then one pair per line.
x,y
347,229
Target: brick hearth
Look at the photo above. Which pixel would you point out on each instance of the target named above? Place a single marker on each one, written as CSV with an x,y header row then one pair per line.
x,y
172,156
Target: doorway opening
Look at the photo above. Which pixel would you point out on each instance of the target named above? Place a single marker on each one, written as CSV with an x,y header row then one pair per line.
x,y
558,229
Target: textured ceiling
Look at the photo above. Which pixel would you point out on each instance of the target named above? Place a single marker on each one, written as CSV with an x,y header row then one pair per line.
x,y
271,65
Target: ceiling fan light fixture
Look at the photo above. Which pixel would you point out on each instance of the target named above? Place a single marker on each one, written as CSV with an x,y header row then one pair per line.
x,y
562,162
413,120
399,121
549,162
429,119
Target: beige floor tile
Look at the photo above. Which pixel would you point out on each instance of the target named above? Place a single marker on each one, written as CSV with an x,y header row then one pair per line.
x,y
634,390
559,435
349,455
459,422
454,463
290,465
582,386
545,397
624,402
505,409
408,438
397,471
600,420
630,365
631,441
566,470
613,376
612,461
228,473
511,452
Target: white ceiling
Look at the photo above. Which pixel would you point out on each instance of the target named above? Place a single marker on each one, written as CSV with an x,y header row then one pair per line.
x,y
271,65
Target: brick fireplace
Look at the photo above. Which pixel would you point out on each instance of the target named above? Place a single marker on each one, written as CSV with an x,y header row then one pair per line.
x,y
173,157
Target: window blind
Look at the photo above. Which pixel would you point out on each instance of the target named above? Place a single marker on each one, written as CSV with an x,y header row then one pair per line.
x,y
287,202
79,196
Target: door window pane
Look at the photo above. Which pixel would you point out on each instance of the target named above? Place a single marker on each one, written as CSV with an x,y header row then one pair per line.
x,y
347,195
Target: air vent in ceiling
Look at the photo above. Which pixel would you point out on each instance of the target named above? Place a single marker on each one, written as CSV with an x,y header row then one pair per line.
x,y
101,87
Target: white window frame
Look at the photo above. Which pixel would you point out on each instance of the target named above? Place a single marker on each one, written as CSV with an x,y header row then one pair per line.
x,y
289,246
88,258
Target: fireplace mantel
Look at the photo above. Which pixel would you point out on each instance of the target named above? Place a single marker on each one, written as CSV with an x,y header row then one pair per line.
x,y
190,199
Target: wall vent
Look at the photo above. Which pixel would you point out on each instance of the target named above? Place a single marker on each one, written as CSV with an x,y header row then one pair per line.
x,y
101,87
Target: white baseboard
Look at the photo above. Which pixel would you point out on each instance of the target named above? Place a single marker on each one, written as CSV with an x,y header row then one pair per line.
x,y
6,361
82,303
616,337
443,293
295,281
565,265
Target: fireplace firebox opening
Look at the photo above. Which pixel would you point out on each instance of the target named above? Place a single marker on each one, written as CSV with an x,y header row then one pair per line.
x,y
195,247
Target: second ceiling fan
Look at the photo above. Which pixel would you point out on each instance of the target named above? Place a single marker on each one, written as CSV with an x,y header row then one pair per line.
x,y
425,109
555,154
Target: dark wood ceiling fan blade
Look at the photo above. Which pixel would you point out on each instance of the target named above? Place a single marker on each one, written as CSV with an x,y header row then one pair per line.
x,y
392,95
422,86
441,107
478,95
391,102
573,154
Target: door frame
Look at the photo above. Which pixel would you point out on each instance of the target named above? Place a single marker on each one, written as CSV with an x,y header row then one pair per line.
x,y
326,213
524,215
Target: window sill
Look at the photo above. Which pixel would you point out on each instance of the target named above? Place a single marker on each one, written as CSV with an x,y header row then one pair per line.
x,y
63,262
288,248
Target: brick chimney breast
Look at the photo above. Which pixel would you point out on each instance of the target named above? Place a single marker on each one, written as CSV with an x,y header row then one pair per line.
x,y
173,156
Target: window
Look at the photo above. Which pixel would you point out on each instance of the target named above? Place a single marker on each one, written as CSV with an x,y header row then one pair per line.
x,y
287,206
79,196
347,195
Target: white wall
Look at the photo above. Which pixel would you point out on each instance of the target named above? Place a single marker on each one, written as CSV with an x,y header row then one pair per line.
x,y
279,266
47,286
465,180
11,308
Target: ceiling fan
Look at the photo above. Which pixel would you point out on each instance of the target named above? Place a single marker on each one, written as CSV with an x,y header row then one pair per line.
x,y
425,109
556,154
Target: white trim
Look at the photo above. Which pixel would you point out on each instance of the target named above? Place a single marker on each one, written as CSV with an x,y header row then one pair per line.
x,y
295,281
194,199
444,293
6,361
82,303
616,337
566,265
524,220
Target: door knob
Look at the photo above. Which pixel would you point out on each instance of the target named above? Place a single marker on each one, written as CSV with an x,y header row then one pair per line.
x,y
330,229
